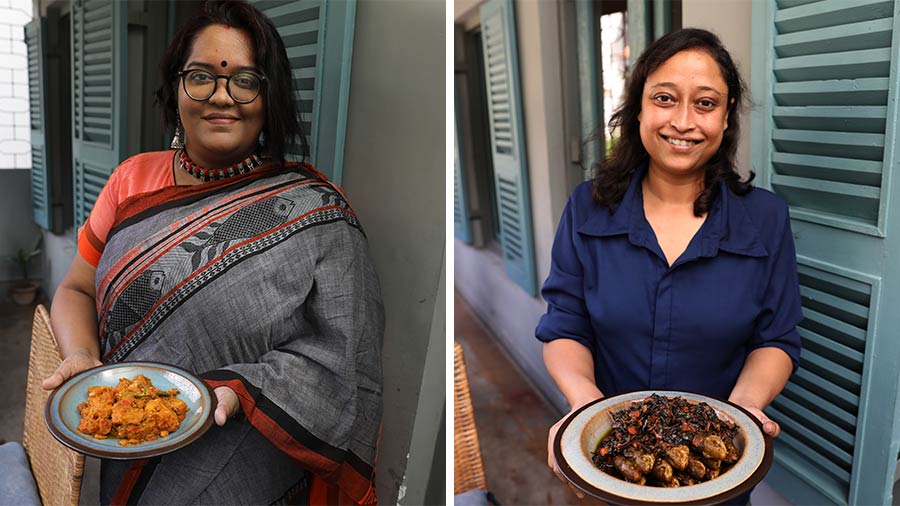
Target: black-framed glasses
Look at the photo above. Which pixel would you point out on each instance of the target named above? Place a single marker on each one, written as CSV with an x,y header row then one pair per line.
x,y
242,87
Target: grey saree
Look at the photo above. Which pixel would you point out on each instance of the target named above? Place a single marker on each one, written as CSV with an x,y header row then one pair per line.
x,y
261,283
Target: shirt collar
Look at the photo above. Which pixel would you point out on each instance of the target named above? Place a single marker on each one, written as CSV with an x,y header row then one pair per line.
x,y
728,226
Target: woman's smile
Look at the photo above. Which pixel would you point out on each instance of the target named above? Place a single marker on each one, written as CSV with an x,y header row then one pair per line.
x,y
221,119
680,142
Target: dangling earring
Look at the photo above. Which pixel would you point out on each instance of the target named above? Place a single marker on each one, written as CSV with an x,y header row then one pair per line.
x,y
178,139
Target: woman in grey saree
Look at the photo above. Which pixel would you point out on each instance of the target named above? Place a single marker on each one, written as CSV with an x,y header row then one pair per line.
x,y
261,283
253,273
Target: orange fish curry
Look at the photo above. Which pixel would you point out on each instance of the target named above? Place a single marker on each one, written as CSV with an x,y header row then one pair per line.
x,y
133,412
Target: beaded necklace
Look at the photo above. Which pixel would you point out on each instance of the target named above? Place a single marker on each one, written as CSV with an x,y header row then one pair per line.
x,y
206,175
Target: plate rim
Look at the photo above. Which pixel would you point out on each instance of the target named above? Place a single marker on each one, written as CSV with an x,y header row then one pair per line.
x,y
75,445
579,483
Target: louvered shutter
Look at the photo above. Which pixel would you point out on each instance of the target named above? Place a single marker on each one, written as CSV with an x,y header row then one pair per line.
x,y
99,31
824,140
41,201
461,226
501,70
318,35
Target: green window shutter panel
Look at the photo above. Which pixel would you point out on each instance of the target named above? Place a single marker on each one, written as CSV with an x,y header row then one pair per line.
x,y
41,201
508,140
831,76
99,31
825,76
318,36
461,226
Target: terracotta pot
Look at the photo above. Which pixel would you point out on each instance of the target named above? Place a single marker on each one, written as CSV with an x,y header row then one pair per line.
x,y
24,293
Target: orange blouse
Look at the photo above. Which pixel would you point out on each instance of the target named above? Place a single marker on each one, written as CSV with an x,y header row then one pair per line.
x,y
141,173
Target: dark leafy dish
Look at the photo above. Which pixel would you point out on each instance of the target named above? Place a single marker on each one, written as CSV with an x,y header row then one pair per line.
x,y
667,442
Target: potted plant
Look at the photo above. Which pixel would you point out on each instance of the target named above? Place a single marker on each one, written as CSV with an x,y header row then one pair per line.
x,y
25,289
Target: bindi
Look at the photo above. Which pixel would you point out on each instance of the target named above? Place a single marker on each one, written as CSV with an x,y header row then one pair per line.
x,y
224,63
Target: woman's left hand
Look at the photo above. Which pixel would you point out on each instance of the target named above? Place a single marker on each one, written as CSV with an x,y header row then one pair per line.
x,y
770,426
227,405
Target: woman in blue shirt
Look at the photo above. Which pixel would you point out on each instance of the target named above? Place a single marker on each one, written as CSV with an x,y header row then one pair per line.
x,y
668,271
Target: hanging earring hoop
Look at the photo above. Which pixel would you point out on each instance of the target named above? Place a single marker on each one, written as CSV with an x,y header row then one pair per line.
x,y
178,139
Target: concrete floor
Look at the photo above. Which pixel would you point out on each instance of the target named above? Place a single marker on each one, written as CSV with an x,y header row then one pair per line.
x,y
512,421
15,340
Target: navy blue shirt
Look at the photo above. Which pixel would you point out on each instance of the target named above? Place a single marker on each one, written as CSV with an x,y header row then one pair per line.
x,y
685,327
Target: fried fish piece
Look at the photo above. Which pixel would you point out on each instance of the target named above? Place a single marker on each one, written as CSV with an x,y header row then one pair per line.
x,y
628,469
713,447
696,468
678,456
662,471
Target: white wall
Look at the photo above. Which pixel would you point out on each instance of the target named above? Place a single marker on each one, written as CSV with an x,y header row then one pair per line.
x,y
15,125
394,174
730,20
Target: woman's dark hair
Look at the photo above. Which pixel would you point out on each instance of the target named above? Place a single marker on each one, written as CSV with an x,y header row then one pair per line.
x,y
282,129
628,152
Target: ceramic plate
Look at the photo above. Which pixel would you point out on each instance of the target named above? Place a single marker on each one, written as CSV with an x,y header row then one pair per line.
x,y
579,435
62,417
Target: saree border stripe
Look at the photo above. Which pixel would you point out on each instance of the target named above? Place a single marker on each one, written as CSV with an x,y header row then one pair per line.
x,y
133,264
94,242
123,491
294,440
212,270
132,208
143,479
188,225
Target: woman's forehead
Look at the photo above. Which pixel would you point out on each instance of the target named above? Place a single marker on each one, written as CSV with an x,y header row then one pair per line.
x,y
217,43
691,69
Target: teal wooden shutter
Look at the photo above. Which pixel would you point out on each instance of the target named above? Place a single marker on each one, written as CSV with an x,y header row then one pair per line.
x,y
461,225
318,35
41,202
99,35
824,139
501,71
590,86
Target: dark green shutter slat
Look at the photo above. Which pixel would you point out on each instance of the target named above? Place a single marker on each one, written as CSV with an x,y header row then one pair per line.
x,y
99,38
830,13
832,39
843,118
461,226
791,440
843,439
846,399
824,407
318,37
508,140
41,201
861,91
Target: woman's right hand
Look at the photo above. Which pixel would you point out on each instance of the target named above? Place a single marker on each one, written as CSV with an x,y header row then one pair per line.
x,y
72,365
551,458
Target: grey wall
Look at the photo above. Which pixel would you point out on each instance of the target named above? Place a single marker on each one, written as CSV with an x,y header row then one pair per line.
x,y
59,252
394,174
730,20
17,230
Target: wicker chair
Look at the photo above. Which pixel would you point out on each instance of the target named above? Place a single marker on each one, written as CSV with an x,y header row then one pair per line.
x,y
56,469
468,467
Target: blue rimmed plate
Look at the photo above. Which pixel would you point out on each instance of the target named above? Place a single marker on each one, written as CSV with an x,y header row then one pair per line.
x,y
580,433
62,417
